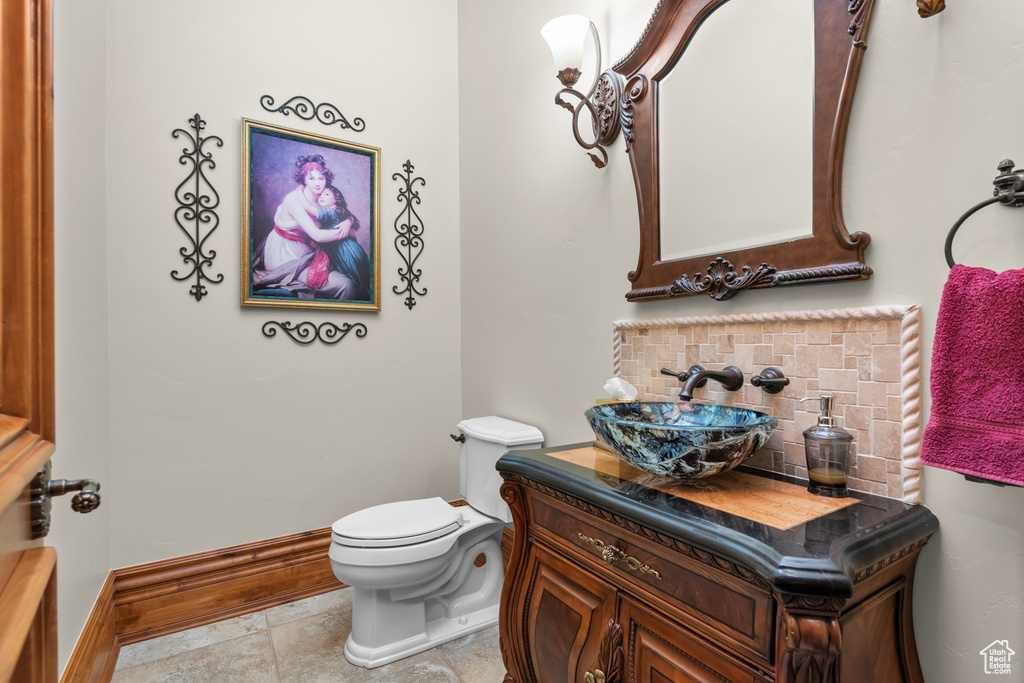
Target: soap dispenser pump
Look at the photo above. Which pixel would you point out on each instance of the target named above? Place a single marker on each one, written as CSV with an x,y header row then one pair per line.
x,y
829,450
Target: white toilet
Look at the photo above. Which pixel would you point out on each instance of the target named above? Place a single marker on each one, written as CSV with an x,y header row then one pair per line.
x,y
411,564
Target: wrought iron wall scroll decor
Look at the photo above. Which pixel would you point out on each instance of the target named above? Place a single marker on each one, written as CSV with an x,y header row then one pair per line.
x,y
308,332
409,241
197,208
303,107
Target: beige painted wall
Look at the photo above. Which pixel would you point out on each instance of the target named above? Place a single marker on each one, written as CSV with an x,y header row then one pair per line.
x,y
219,435
81,315
934,115
204,433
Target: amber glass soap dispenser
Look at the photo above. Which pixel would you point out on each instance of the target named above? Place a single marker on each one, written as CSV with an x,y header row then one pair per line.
x,y
829,450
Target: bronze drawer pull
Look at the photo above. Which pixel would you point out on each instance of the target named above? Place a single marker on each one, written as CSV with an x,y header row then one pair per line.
x,y
597,676
613,555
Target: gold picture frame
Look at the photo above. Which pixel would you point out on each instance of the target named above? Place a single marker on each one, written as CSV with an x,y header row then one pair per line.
x,y
310,220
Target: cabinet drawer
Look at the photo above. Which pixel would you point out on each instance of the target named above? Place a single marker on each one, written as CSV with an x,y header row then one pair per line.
x,y
733,612
657,650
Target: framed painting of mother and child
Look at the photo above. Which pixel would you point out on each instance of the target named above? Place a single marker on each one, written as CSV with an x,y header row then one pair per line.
x,y
310,220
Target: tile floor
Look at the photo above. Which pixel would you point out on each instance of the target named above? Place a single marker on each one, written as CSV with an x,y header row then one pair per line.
x,y
301,642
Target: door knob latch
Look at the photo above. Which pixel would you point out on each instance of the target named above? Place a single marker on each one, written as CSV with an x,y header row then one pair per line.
x,y
42,489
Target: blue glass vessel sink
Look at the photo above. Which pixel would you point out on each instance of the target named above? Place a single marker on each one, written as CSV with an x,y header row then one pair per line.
x,y
681,440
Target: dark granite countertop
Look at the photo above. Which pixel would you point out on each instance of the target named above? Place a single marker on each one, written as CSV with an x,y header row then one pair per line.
x,y
822,557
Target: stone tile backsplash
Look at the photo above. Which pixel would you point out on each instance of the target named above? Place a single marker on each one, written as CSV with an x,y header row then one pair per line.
x,y
869,359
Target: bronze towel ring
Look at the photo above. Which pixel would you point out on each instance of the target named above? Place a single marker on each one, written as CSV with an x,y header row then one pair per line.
x,y
1009,191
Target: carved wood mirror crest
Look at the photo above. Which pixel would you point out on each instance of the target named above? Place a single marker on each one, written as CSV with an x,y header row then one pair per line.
x,y
829,252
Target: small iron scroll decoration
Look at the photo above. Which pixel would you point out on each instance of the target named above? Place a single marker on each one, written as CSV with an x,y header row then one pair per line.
x,y
303,107
409,241
197,208
307,332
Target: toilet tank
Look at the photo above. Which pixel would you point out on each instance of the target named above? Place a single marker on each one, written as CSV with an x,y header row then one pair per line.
x,y
487,439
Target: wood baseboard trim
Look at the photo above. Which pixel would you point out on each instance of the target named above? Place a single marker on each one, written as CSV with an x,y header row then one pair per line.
x,y
95,653
156,599
159,598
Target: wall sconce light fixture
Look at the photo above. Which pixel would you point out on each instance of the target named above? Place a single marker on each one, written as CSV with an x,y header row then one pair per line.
x,y
567,36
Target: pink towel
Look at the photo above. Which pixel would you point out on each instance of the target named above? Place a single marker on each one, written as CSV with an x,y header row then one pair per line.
x,y
977,420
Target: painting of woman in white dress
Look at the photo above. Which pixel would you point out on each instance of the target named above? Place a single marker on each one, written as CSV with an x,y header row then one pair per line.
x,y
310,221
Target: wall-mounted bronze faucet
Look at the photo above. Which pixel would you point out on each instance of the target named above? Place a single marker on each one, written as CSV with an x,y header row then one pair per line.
x,y
697,376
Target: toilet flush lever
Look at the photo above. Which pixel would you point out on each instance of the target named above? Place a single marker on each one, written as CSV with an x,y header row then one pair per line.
x,y
43,489
461,438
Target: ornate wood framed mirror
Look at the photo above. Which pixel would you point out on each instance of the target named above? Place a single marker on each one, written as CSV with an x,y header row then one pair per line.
x,y
761,255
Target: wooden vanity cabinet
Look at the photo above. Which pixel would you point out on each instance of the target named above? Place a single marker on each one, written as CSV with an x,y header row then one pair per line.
x,y
593,596
576,614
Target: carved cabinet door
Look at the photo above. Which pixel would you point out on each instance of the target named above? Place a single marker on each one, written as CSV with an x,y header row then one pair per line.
x,y
565,617
658,651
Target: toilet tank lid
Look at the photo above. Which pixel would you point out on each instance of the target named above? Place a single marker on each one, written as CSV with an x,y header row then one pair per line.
x,y
501,431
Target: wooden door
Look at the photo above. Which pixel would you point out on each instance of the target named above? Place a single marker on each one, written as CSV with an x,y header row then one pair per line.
x,y
28,652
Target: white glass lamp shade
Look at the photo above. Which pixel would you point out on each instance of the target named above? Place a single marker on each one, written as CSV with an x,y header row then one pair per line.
x,y
566,36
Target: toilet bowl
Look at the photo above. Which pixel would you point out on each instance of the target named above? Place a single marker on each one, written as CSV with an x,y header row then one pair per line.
x,y
412,565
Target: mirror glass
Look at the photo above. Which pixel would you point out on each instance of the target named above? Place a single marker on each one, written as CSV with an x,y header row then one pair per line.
x,y
735,123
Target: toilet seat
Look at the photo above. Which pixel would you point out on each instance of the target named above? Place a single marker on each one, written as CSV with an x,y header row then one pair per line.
x,y
397,524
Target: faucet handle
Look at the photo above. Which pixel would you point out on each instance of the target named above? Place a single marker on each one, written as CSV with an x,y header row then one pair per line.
x,y
771,380
681,376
